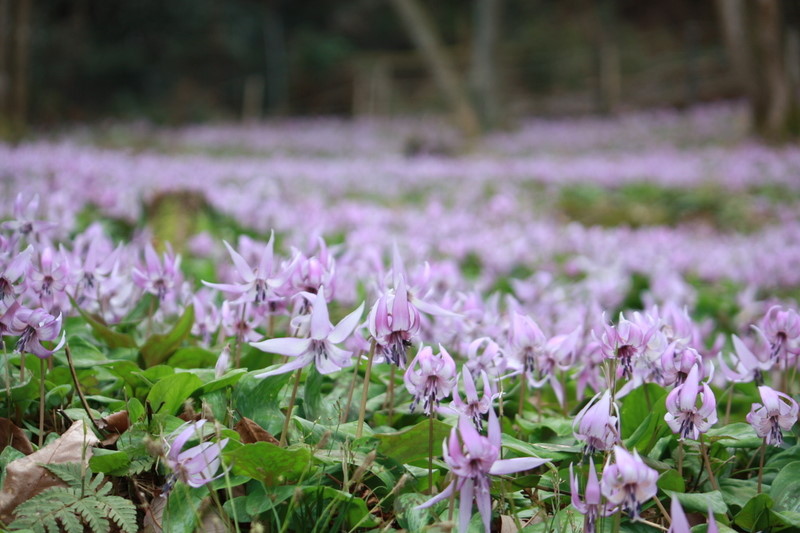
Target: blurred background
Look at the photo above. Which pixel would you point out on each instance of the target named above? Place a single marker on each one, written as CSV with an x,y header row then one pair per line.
x,y
483,62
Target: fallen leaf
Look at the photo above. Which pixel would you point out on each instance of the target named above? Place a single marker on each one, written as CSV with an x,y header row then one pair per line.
x,y
11,435
507,524
252,432
116,423
25,478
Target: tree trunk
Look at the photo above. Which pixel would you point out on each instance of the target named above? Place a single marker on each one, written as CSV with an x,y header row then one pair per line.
x,y
483,74
737,43
5,25
277,79
424,36
772,111
22,33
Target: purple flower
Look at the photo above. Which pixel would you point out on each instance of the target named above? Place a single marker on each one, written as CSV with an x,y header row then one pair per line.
x,y
475,407
430,378
628,482
34,326
257,285
223,362
680,524
596,426
237,320
781,328
683,416
677,362
24,217
748,366
393,321
472,458
195,466
320,348
626,342
50,280
12,272
156,277
776,412
591,507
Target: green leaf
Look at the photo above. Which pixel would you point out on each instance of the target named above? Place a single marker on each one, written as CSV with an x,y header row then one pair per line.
x,y
102,332
638,405
172,391
228,380
193,357
181,510
109,462
671,481
412,444
158,347
755,516
135,410
269,463
785,488
737,492
700,501
408,517
258,399
736,435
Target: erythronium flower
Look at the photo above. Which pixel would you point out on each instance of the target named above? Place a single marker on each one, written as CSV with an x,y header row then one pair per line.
x,y
776,412
591,507
195,466
34,326
472,458
320,348
628,482
679,522
257,285
223,361
393,321
430,378
474,407
596,426
50,279
748,367
683,416
156,277
781,328
24,217
625,342
10,274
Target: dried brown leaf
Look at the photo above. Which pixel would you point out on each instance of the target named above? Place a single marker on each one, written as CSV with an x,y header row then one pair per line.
x,y
252,432
11,435
115,423
25,478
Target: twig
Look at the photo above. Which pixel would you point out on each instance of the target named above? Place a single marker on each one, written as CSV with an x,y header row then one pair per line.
x,y
664,512
707,461
365,390
41,401
285,431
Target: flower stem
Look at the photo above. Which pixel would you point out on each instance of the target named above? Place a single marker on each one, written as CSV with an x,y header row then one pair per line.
x,y
664,512
680,457
351,389
41,401
522,390
365,390
430,453
704,451
84,403
728,406
285,431
761,464
390,396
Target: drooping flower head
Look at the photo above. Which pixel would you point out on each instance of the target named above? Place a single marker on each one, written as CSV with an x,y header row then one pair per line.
x,y
683,416
596,425
591,507
781,328
430,378
625,342
195,466
320,347
393,322
472,458
628,482
474,407
9,275
156,276
778,411
34,326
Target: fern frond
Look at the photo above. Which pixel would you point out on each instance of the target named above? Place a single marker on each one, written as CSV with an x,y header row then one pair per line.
x,y
121,512
91,515
70,473
86,502
140,464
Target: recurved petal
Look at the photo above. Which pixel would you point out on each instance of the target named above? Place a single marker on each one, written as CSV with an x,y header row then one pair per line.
x,y
294,364
320,319
518,464
346,326
244,270
289,346
465,505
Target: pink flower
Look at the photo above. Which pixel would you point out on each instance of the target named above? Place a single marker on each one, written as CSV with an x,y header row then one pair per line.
x,y
430,378
626,342
591,506
12,271
34,326
197,465
393,321
475,407
156,277
472,458
596,426
628,482
776,412
683,416
320,348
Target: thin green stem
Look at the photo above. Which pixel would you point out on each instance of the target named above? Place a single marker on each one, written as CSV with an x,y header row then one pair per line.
x,y
43,368
430,452
285,431
680,458
362,411
522,391
350,391
761,464
711,477
77,384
